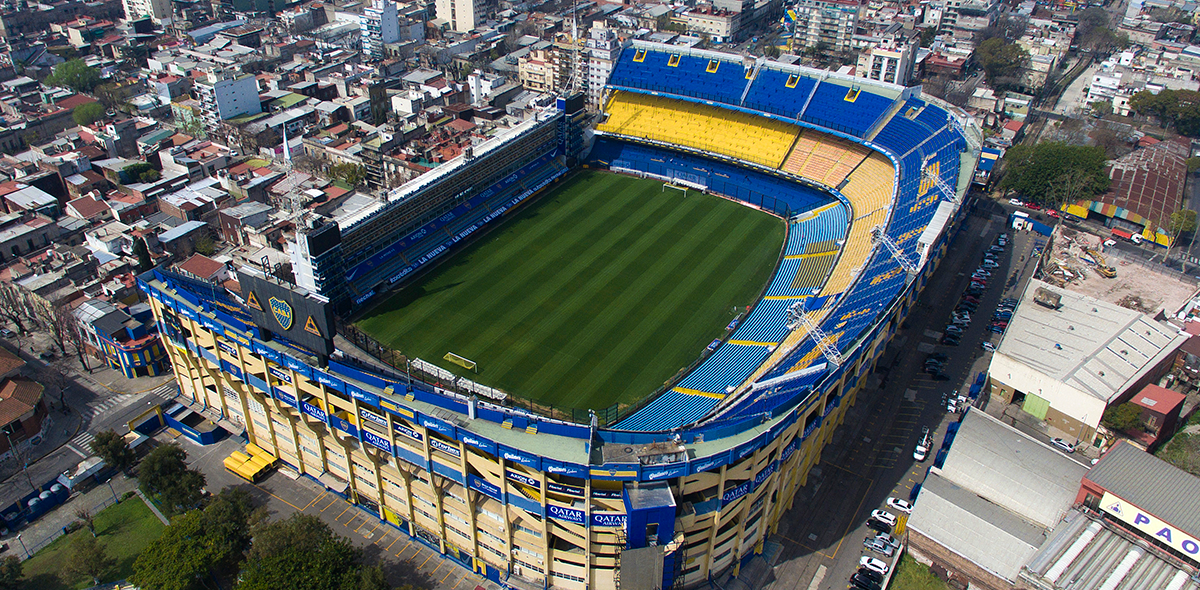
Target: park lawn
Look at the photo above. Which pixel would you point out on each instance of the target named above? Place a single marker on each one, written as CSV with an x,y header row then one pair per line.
x,y
124,530
596,294
911,575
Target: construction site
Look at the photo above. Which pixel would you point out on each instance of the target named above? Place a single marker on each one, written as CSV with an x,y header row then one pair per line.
x,y
1079,261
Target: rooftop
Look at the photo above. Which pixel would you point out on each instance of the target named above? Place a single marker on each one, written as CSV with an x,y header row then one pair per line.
x,y
17,398
1094,346
1155,486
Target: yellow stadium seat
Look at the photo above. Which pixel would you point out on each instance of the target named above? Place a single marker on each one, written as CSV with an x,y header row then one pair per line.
x,y
729,133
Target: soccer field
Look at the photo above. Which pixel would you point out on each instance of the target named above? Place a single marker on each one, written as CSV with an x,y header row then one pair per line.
x,y
597,293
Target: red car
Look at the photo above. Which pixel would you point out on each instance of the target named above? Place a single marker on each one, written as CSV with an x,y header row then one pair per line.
x,y
1034,206
1052,213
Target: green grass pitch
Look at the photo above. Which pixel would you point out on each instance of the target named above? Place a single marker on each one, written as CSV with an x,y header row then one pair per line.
x,y
597,293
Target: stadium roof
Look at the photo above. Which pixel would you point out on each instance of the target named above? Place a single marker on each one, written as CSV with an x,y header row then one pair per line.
x,y
1096,347
1155,486
1011,469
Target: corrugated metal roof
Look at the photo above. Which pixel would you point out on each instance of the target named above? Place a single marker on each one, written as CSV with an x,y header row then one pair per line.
x,y
1012,470
1151,484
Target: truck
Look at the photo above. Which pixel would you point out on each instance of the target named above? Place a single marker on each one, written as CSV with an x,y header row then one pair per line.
x,y
1102,266
1127,236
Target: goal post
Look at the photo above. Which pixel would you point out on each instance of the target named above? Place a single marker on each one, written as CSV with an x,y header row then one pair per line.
x,y
682,189
462,361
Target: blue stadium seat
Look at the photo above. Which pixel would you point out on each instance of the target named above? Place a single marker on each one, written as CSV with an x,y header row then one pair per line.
x,y
692,76
770,92
845,109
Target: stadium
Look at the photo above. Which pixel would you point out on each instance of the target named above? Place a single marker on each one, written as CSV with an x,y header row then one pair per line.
x,y
686,483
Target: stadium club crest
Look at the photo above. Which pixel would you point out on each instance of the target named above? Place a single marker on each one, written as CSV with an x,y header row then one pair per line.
x,y
282,312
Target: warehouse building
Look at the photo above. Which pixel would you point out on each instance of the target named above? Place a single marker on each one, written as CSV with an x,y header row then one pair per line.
x,y
1066,357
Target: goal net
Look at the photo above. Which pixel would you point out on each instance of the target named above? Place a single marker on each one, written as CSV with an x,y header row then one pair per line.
x,y
682,189
461,361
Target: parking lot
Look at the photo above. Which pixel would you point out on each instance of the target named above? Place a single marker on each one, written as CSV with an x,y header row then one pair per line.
x,y
871,457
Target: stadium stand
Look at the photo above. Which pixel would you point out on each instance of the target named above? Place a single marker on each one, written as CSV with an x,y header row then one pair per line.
x,y
686,73
729,133
848,109
780,195
823,158
779,93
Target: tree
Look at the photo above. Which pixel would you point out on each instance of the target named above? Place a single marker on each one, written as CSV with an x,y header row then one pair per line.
x,y
85,516
1182,222
351,174
88,558
165,472
928,34
12,306
150,175
111,447
10,573
302,552
87,113
204,244
1193,163
1002,62
74,74
60,321
1054,173
1178,109
1102,107
145,262
1123,417
200,544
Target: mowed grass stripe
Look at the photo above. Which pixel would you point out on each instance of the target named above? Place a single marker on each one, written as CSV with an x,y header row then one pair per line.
x,y
658,342
595,294
634,286
500,264
525,329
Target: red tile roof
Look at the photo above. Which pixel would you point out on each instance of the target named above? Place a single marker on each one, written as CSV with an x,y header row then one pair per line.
x,y
1149,181
17,398
9,362
201,266
75,100
87,207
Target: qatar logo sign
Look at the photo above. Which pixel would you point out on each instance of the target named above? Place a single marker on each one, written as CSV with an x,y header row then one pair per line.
x,y
1151,525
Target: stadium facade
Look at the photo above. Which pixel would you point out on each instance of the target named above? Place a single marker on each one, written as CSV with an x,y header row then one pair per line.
x,y
868,177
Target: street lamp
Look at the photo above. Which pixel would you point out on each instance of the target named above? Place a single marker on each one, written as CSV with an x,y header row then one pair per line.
x,y
110,489
23,547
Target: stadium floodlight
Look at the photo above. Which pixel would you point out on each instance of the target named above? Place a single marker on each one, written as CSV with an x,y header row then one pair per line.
x,y
797,315
879,235
937,181
462,361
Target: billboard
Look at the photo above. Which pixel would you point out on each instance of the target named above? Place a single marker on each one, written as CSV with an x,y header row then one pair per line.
x,y
279,309
1151,525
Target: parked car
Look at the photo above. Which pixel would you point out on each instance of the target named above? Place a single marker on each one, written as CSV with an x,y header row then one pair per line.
x,y
995,329
1016,202
888,540
920,452
874,575
988,346
871,544
939,356
879,525
5,332
899,505
884,516
1060,443
859,582
875,565
990,264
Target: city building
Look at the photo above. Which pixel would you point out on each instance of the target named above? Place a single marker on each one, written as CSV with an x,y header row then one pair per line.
x,y
462,15
125,339
604,48
380,26
828,24
891,60
720,25
1066,357
963,18
159,11
224,95
986,509
23,415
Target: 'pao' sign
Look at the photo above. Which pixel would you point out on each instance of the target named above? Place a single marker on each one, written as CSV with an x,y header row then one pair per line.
x,y
1151,525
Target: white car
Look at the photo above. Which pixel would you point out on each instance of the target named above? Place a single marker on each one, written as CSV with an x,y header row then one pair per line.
x,y
884,516
988,346
1062,444
920,453
875,565
900,505
1016,202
